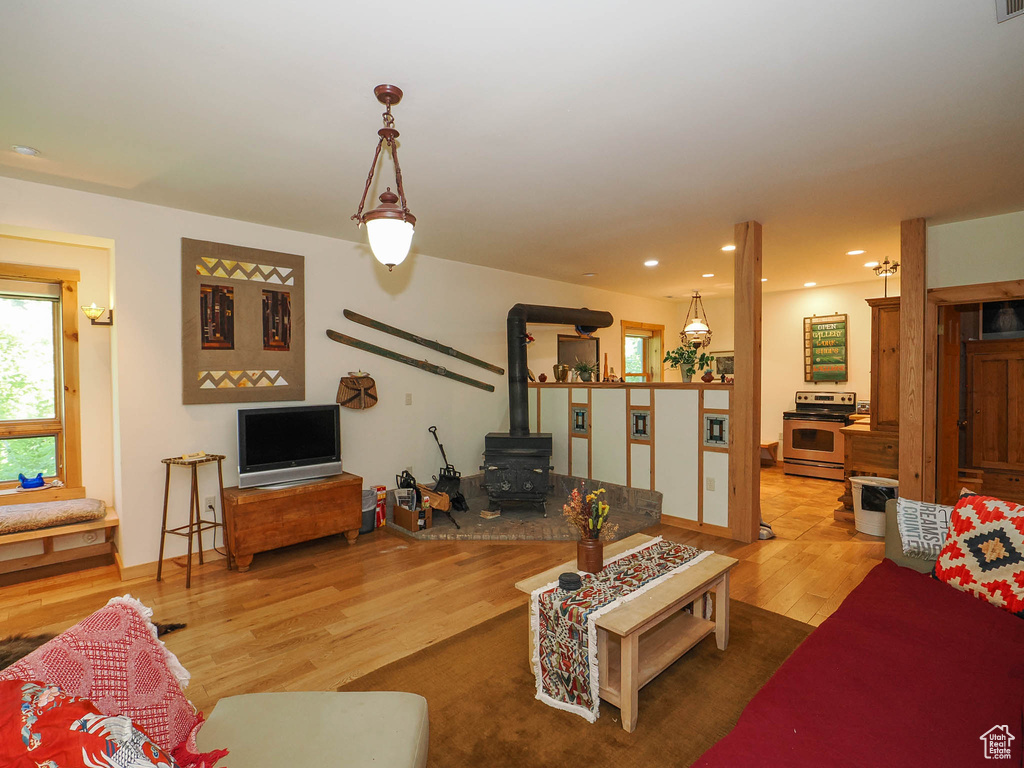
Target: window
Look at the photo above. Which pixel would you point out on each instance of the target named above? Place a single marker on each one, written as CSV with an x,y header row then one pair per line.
x,y
641,351
38,375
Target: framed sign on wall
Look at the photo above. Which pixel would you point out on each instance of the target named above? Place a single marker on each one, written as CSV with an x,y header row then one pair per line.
x,y
825,348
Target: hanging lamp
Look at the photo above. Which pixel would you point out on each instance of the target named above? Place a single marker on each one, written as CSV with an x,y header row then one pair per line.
x,y
389,227
696,329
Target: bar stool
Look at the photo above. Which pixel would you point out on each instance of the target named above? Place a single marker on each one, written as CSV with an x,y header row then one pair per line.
x,y
196,523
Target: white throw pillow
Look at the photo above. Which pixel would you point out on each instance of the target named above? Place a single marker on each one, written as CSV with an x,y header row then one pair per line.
x,y
923,527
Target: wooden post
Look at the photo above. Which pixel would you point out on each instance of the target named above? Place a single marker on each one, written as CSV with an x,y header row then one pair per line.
x,y
745,422
913,343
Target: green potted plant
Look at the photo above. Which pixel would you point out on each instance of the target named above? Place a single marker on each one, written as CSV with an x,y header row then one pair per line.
x,y
689,359
585,370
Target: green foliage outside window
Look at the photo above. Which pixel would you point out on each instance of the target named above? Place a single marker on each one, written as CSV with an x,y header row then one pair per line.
x,y
27,384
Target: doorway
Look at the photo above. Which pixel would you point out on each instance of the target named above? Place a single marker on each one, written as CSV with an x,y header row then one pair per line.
x,y
980,398
642,345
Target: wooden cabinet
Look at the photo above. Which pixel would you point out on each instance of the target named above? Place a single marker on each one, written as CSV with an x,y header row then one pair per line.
x,y
260,519
995,404
885,363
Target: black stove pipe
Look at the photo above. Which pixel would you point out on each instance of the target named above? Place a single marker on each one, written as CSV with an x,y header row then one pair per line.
x,y
521,314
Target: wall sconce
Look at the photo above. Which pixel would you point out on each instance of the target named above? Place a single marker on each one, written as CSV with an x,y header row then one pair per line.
x,y
94,314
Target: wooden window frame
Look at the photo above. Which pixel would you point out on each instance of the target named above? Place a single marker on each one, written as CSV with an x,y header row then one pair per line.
x,y
66,426
652,330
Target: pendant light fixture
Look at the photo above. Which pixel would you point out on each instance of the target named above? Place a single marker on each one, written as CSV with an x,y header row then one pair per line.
x,y
887,269
388,226
696,330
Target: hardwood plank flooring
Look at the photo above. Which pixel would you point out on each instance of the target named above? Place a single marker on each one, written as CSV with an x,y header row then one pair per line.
x,y
316,615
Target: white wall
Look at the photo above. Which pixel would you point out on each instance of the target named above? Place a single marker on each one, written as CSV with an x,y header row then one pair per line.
x,y
985,250
462,305
782,371
93,351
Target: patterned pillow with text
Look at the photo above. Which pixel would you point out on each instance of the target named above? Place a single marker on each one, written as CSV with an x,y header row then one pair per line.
x,y
923,527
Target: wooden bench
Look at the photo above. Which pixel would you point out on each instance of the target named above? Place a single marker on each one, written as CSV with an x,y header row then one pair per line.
x,y
105,545
769,454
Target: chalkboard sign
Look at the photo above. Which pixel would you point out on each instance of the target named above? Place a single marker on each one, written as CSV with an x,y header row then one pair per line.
x,y
825,344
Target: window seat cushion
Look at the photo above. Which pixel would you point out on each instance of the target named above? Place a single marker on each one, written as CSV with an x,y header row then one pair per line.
x,y
15,518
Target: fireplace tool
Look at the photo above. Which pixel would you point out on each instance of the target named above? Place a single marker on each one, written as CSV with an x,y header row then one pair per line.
x,y
448,479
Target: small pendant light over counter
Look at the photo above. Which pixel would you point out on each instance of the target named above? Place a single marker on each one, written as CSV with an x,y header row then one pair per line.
x,y
696,330
389,226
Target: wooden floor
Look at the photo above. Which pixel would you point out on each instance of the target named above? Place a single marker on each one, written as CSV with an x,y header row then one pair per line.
x,y
314,616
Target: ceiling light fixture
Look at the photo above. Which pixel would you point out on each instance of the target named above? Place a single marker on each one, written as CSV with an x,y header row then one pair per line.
x,y
858,252
728,247
589,274
388,227
887,269
696,330
764,279
809,285
651,263
21,149
870,263
708,274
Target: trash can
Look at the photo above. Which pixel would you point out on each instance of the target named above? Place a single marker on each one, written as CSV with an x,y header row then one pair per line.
x,y
369,510
869,497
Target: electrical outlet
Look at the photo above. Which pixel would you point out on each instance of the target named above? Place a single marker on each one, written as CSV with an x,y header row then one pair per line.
x,y
710,483
210,502
408,398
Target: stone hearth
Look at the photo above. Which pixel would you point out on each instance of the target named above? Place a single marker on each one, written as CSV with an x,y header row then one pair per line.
x,y
633,509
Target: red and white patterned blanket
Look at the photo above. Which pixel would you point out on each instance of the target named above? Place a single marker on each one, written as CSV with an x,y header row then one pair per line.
x,y
564,623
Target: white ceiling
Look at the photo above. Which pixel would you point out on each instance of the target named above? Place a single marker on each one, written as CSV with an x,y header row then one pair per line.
x,y
546,138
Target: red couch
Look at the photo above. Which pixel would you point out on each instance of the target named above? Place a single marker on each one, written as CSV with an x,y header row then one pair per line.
x,y
908,672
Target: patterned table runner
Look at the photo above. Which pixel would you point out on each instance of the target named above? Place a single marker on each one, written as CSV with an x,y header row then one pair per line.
x,y
564,623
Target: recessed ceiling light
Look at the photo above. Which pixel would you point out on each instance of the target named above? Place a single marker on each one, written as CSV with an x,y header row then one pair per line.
x,y
764,279
708,274
728,247
809,285
21,149
871,264
651,263
589,274
858,252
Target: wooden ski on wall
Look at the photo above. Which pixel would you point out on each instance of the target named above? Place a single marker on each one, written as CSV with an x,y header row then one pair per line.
x,y
369,322
423,365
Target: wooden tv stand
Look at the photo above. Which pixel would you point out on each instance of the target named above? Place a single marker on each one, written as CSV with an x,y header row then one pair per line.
x,y
260,519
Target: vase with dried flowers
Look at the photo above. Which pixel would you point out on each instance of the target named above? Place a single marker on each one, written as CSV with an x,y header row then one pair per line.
x,y
589,515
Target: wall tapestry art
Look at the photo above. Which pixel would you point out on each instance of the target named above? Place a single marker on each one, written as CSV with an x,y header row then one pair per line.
x,y
243,324
825,342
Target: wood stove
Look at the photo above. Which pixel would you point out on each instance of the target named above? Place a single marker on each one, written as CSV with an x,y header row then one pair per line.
x,y
517,464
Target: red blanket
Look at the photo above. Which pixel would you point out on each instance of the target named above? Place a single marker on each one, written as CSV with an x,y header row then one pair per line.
x,y
908,672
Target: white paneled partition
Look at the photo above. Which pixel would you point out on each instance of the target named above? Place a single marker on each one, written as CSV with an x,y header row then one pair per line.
x,y
675,451
608,433
665,437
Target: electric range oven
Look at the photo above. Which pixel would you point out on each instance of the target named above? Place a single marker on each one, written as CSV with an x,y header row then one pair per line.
x,y
812,443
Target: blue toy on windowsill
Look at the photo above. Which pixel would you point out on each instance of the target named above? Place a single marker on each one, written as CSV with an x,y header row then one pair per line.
x,y
33,482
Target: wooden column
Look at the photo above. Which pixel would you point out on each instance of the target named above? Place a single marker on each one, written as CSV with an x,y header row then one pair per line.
x,y
913,345
745,422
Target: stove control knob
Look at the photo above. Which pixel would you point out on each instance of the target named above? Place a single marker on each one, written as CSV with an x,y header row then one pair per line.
x,y
506,485
528,485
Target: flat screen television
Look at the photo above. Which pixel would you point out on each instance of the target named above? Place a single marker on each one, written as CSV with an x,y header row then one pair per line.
x,y
288,445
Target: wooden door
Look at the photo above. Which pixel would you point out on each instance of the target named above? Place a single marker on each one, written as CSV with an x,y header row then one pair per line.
x,y
996,404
